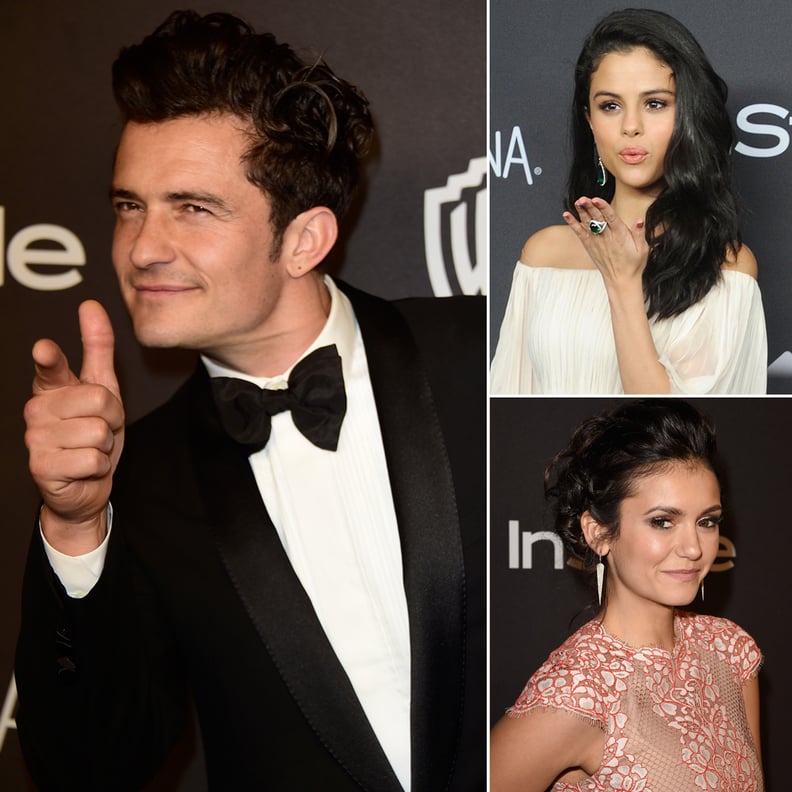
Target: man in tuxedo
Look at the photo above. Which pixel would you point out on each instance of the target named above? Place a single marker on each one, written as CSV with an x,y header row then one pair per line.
x,y
293,543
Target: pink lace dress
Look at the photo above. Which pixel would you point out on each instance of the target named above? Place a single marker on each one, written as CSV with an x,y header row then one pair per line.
x,y
674,721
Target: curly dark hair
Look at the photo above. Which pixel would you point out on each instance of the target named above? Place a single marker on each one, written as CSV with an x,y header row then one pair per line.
x,y
608,453
693,224
309,128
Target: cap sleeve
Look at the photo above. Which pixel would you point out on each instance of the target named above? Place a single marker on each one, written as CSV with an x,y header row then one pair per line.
x,y
733,644
563,684
745,656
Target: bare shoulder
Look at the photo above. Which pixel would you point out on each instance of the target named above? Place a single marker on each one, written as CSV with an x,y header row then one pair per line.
x,y
532,751
741,260
554,246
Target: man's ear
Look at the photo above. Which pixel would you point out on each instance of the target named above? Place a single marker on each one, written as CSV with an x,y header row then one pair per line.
x,y
308,239
594,533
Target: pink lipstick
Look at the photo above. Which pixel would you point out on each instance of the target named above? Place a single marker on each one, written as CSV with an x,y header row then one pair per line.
x,y
633,156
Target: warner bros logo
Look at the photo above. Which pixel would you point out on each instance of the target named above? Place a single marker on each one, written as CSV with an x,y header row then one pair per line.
x,y
455,232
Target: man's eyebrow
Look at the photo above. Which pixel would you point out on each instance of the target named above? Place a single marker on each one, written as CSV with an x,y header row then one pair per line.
x,y
118,192
203,198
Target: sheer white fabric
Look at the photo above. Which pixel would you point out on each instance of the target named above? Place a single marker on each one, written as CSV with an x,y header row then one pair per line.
x,y
556,337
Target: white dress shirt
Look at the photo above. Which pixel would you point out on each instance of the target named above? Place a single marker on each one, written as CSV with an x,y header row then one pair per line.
x,y
334,514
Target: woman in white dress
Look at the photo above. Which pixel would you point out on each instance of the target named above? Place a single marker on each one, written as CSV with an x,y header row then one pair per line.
x,y
647,288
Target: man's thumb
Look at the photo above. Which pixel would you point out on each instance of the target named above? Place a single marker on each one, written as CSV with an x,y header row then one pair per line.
x,y
98,345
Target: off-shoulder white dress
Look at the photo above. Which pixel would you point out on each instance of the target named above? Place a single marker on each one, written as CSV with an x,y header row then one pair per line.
x,y
557,338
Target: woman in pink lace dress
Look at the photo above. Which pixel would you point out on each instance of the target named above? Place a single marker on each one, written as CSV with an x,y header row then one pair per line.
x,y
645,697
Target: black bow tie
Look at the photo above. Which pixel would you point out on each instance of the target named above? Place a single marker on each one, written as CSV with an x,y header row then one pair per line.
x,y
315,396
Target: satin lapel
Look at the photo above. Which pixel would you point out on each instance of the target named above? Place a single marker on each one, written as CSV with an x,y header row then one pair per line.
x,y
279,607
423,495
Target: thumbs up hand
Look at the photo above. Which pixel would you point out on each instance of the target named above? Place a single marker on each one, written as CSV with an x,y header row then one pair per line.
x,y
75,434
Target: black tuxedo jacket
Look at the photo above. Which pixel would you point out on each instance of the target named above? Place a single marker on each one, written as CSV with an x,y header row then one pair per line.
x,y
198,599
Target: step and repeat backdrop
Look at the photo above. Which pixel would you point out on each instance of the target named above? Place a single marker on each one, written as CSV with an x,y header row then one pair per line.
x,y
533,50
418,226
537,600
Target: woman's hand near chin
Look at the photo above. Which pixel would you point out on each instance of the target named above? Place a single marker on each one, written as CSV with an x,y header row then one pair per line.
x,y
619,252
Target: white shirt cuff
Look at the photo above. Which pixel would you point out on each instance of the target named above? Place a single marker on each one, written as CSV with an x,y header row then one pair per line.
x,y
79,574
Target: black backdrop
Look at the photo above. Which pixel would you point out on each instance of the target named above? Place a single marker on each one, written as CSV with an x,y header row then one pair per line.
x,y
422,66
532,610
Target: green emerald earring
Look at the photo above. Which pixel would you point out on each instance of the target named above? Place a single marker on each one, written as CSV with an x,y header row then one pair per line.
x,y
602,174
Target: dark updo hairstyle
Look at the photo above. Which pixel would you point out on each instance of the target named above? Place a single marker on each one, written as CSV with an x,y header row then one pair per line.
x,y
309,129
607,454
693,224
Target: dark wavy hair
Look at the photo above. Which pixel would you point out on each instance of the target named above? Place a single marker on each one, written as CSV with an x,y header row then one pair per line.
x,y
693,223
609,453
309,128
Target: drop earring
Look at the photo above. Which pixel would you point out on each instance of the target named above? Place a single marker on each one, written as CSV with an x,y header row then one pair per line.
x,y
602,174
702,590
600,579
